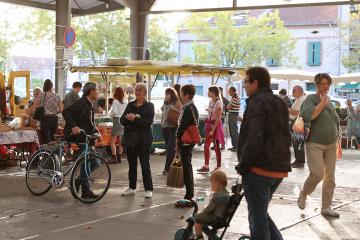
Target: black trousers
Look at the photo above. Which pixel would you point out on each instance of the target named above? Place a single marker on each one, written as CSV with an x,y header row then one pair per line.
x,y
185,156
49,126
170,141
143,153
298,146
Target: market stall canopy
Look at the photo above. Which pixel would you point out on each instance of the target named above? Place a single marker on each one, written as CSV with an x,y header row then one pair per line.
x,y
347,78
292,74
159,67
78,7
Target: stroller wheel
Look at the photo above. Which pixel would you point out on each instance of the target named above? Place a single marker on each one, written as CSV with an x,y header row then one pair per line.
x,y
183,234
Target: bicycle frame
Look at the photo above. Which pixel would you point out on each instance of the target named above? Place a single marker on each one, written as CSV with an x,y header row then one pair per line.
x,y
84,155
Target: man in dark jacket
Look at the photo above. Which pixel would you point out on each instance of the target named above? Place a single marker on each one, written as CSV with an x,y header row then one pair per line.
x,y
81,116
263,151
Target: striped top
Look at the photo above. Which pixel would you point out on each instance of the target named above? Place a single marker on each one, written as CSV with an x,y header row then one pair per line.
x,y
235,104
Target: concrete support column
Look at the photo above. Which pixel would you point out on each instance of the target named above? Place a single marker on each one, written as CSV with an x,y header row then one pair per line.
x,y
63,19
138,26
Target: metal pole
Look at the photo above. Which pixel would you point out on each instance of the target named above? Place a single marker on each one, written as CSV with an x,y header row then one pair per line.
x,y
63,18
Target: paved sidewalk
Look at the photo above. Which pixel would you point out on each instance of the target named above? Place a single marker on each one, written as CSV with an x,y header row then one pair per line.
x,y
58,216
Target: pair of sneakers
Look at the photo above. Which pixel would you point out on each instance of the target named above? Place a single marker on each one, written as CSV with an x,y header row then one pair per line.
x,y
326,212
130,192
206,169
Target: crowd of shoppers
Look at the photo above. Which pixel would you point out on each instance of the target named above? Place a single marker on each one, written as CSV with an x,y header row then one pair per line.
x,y
262,144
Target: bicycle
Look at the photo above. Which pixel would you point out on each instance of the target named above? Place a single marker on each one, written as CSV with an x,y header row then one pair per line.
x,y
88,171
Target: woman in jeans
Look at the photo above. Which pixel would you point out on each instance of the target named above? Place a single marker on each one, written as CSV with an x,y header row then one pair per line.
x,y
188,116
171,104
321,145
117,109
137,121
52,105
214,132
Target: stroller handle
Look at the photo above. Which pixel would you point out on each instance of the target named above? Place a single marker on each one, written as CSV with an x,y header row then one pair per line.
x,y
195,205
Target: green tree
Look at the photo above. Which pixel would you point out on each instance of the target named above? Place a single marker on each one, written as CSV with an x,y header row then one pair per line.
x,y
159,42
225,43
99,36
103,36
351,39
38,27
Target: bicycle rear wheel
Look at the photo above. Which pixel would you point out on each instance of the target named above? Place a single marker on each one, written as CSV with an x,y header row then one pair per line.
x,y
90,179
39,172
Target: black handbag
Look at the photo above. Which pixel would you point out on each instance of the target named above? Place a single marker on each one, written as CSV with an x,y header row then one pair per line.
x,y
40,110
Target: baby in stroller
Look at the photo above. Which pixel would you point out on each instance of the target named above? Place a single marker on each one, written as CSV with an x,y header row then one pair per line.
x,y
217,215
212,215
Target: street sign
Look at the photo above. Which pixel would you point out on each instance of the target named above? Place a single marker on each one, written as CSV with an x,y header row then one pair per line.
x,y
69,37
68,54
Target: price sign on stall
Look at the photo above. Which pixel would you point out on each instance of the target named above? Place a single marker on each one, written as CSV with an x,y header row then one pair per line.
x,y
69,37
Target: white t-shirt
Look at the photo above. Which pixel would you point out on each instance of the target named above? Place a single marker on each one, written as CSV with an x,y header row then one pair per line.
x,y
297,106
213,106
117,109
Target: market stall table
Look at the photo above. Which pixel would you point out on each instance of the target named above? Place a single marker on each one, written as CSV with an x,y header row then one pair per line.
x,y
18,141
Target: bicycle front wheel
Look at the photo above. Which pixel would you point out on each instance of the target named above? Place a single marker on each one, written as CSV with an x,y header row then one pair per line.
x,y
39,172
90,179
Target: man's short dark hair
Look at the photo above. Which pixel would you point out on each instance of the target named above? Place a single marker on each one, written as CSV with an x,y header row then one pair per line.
x,y
260,74
283,91
88,87
47,85
188,89
77,85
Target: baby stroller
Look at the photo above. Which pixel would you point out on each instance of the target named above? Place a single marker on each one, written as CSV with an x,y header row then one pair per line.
x,y
187,233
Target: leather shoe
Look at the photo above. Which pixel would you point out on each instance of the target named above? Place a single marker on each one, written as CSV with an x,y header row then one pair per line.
x,y
89,195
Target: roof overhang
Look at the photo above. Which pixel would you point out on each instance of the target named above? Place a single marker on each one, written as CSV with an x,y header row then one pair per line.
x,y
236,5
78,7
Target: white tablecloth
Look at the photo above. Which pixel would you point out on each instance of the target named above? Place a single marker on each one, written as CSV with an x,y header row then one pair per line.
x,y
19,136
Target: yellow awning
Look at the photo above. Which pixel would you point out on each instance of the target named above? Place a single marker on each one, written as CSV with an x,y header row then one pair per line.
x,y
155,67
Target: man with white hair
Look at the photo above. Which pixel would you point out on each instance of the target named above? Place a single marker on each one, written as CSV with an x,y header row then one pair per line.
x,y
298,93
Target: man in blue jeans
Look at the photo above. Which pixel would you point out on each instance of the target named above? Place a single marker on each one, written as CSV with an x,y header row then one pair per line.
x,y
263,151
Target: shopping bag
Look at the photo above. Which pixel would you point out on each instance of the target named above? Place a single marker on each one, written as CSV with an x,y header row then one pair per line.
x,y
339,150
300,130
175,176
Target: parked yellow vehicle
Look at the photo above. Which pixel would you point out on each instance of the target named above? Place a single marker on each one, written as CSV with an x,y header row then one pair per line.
x,y
17,92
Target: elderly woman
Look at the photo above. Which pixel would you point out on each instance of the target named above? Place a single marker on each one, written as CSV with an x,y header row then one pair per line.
x,y
33,103
321,144
354,121
137,120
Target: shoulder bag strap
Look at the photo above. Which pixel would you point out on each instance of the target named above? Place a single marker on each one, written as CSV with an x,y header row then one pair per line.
x,y
213,108
43,99
195,121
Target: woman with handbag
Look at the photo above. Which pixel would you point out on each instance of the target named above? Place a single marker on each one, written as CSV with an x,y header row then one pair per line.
x,y
187,135
117,109
169,122
214,132
47,106
137,120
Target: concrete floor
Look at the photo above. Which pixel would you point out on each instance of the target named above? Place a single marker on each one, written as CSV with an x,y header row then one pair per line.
x,y
58,216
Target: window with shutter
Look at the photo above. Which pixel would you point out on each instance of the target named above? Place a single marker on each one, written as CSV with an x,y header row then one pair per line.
x,y
270,62
314,53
